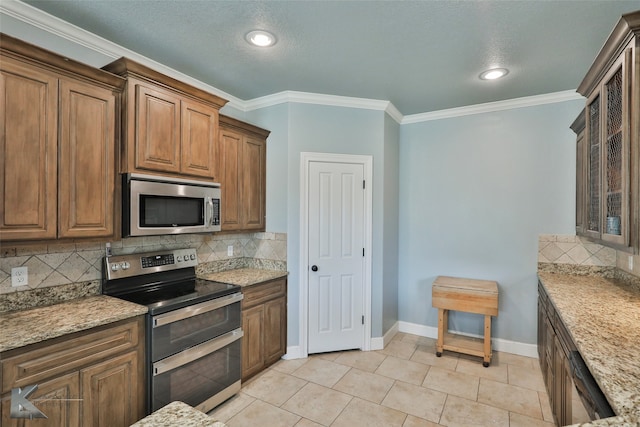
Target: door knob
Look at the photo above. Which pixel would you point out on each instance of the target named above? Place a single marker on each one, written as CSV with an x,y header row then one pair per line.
x,y
314,268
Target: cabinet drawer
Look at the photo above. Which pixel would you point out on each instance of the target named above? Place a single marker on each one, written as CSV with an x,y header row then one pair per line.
x,y
258,294
35,363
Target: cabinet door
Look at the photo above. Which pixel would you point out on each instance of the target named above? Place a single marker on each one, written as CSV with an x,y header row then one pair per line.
x,y
252,341
111,391
229,166
615,154
593,182
275,330
28,149
253,184
57,399
199,129
157,130
581,172
87,161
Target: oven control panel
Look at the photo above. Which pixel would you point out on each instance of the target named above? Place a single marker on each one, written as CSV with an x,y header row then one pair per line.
x,y
120,266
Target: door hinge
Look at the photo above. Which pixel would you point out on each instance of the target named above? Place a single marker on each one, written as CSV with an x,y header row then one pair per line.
x,y
363,181
362,251
363,320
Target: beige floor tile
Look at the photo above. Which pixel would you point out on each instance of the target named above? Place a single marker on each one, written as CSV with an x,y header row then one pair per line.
x,y
327,356
418,340
464,413
274,387
307,423
365,385
496,371
363,413
403,370
399,349
515,359
412,421
515,399
526,377
363,360
517,420
263,414
288,366
547,414
317,403
427,355
451,382
231,407
415,400
320,371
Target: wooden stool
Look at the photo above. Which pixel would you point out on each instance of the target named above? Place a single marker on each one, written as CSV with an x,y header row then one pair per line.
x,y
471,296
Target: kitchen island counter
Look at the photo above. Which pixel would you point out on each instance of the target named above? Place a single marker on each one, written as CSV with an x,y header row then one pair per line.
x,y
178,414
602,316
23,327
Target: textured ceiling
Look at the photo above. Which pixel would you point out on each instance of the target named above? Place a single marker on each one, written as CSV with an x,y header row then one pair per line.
x,y
421,55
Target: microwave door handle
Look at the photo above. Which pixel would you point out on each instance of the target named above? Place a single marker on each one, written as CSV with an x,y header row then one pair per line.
x,y
209,220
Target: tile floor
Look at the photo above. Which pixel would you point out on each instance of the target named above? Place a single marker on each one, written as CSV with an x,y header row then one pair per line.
x,y
403,385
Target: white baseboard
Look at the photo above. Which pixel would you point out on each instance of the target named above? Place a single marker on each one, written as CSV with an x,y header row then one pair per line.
x,y
379,343
293,352
498,344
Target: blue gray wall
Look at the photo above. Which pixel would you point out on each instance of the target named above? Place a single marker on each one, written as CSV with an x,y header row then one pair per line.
x,y
475,193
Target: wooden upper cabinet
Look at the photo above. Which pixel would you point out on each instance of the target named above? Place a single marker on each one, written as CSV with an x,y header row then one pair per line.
x,y
87,160
242,165
581,170
609,179
169,127
28,147
58,142
157,133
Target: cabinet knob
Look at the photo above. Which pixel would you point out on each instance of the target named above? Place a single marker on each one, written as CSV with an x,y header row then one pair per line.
x,y
314,268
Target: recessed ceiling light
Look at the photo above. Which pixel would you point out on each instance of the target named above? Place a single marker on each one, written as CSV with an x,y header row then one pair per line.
x,y
261,38
494,73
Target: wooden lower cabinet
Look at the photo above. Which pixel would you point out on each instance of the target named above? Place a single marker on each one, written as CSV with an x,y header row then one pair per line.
x,y
264,323
553,348
92,378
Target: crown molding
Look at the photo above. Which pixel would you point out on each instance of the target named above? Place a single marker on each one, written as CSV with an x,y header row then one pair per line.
x,y
67,31
510,104
323,99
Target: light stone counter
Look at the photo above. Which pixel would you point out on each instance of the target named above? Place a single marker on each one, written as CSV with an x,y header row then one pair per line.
x,y
603,317
24,327
178,414
244,276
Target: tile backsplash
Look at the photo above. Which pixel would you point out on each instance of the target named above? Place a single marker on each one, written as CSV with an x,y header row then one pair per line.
x,y
57,264
575,250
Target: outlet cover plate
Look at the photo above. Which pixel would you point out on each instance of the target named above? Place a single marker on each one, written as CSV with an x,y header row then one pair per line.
x,y
19,276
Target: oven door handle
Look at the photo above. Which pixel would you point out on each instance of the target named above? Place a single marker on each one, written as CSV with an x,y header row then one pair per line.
x,y
196,352
196,309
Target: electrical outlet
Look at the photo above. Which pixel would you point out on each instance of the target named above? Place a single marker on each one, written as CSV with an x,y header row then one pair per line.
x,y
230,250
19,276
630,262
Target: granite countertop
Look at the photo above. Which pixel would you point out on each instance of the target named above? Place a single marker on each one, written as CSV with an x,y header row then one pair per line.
x,y
244,276
603,317
24,327
178,414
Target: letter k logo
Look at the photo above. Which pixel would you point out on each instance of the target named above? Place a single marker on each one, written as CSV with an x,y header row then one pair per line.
x,y
21,407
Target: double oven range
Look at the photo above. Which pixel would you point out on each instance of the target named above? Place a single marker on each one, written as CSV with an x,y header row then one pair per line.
x,y
193,327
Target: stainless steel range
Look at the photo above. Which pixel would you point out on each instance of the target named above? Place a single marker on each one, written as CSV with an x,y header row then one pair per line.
x,y
193,328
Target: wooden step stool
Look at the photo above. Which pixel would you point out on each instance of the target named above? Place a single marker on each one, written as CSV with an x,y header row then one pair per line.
x,y
471,296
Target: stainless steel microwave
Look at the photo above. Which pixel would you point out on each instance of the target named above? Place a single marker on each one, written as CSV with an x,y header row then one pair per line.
x,y
156,205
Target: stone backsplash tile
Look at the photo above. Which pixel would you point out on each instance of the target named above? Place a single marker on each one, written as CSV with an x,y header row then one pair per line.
x,y
57,264
570,249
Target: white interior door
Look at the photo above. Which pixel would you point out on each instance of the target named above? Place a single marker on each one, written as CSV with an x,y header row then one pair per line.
x,y
336,256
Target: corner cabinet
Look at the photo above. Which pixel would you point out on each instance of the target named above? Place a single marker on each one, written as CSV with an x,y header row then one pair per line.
x,y
264,323
89,378
58,144
242,165
169,127
608,177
